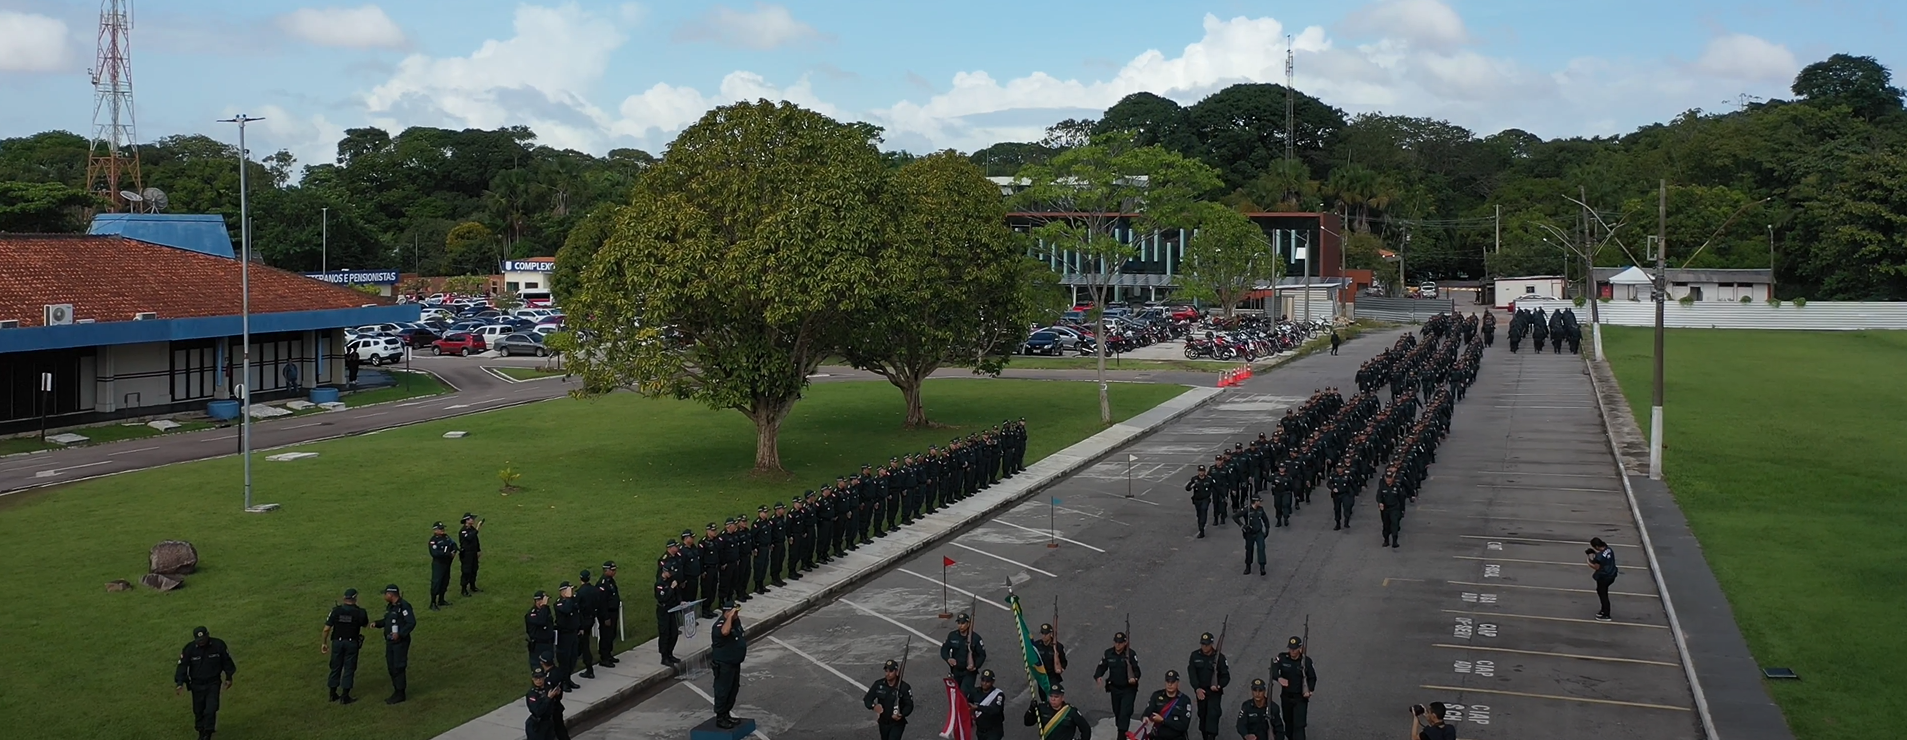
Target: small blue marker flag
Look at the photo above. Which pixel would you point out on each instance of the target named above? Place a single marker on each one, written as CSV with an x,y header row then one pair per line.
x,y
1055,500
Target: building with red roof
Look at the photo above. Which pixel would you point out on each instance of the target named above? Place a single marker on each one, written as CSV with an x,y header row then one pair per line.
x,y
126,325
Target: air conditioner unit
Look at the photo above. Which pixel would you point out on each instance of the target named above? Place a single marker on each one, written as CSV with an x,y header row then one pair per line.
x,y
9,323
145,316
59,314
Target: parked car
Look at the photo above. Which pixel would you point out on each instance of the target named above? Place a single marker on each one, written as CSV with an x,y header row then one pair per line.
x,y
379,329
522,343
377,350
465,325
461,343
1042,343
417,336
545,330
493,332
1427,290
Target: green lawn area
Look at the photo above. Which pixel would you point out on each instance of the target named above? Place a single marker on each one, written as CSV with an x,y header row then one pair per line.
x,y
102,434
1788,452
528,373
409,385
606,478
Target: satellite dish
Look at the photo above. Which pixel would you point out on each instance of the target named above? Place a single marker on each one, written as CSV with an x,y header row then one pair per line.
x,y
156,199
131,197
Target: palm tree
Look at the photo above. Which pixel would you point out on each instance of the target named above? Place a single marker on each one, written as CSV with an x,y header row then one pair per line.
x,y
1286,186
1353,186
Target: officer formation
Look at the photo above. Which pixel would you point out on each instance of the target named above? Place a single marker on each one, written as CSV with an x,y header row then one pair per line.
x,y
1559,328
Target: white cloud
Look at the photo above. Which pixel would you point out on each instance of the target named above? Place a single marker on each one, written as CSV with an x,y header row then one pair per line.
x,y
312,139
766,27
32,43
665,109
365,27
1425,23
540,78
1739,56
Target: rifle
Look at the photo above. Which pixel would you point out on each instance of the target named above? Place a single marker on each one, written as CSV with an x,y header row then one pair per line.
x,y
973,628
1055,667
901,679
1219,652
1129,677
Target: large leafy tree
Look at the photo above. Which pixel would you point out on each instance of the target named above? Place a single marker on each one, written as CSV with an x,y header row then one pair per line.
x,y
743,258
1089,202
956,287
42,207
1152,120
1862,222
1227,257
1241,129
1858,82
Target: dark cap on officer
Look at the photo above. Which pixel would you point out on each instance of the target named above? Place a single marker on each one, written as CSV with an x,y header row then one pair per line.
x,y
890,666
200,633
438,526
1294,643
391,589
962,618
1171,676
1258,684
1205,639
1046,629
987,675
350,593
1119,637
1057,690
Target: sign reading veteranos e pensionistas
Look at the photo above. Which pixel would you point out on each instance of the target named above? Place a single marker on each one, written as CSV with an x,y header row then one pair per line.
x,y
356,277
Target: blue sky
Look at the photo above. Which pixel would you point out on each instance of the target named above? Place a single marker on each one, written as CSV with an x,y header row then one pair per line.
x,y
598,75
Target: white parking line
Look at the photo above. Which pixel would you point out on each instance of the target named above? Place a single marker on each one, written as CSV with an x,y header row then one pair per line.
x,y
1035,531
413,403
1538,562
301,426
890,620
367,416
50,472
958,590
1004,560
1533,539
851,682
711,700
128,452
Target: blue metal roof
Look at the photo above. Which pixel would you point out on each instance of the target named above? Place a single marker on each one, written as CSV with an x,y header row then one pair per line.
x,y
163,330
204,233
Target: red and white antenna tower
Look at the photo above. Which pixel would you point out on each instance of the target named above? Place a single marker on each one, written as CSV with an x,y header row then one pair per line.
x,y
112,169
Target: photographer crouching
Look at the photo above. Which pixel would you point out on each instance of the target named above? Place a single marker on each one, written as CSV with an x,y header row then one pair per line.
x,y
1426,723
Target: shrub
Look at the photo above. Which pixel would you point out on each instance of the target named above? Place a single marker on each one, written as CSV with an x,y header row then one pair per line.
x,y
1774,303
509,477
1745,299
1686,300
1799,302
1579,301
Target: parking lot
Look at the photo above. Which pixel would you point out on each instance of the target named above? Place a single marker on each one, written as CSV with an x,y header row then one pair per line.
x,y
1487,606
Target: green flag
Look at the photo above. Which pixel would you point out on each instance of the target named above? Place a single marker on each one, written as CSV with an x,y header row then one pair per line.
x,y
1036,678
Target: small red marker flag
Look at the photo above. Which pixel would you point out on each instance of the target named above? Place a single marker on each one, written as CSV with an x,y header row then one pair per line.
x,y
946,562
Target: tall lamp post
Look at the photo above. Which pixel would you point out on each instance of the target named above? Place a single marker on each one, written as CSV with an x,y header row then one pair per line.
x,y
245,312
324,241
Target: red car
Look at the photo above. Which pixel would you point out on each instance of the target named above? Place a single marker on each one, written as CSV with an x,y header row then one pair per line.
x,y
459,344
1184,313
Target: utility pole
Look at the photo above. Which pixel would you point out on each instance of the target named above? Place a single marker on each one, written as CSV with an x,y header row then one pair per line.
x,y
1661,294
245,309
1771,262
1593,294
1291,101
324,254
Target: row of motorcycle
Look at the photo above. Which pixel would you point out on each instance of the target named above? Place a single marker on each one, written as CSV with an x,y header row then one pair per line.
x,y
1250,338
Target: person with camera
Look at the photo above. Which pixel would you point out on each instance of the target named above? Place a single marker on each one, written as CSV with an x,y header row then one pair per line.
x,y
1602,560
1426,723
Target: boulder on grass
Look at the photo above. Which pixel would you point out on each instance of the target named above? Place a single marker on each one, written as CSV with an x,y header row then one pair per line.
x,y
119,585
159,582
174,558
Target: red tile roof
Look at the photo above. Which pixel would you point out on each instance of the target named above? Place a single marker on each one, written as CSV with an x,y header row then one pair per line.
x,y
110,278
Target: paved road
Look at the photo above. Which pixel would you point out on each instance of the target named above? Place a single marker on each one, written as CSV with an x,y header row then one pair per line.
x,y
1488,607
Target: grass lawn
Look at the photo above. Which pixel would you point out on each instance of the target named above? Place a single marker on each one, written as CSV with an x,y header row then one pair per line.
x,y
607,478
528,373
1788,452
102,434
409,385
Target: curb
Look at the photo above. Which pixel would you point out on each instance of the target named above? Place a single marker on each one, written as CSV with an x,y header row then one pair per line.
x,y
639,675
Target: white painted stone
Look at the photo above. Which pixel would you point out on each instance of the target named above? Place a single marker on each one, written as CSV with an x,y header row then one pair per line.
x,y
290,456
67,438
455,435
164,425
299,405
262,411
333,406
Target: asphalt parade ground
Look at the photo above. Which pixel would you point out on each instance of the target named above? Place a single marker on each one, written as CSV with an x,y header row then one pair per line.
x,y
1487,606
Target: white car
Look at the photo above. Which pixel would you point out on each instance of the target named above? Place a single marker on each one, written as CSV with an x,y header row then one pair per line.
x,y
379,329
494,332
377,350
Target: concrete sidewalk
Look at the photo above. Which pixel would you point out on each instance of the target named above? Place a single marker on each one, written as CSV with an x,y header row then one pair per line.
x,y
640,670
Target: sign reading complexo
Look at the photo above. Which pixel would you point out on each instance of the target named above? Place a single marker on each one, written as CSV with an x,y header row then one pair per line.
x,y
356,277
528,266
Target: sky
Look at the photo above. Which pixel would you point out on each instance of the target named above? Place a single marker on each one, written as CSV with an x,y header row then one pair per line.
x,y
595,76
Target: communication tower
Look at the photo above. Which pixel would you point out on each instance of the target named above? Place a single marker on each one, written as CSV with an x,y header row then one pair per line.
x,y
112,166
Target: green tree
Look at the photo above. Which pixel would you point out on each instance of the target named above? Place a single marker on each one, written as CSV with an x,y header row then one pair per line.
x,y
745,255
1088,201
580,248
1227,257
1241,129
1285,187
471,249
1007,159
1862,222
43,207
1152,120
1069,134
956,286
1858,82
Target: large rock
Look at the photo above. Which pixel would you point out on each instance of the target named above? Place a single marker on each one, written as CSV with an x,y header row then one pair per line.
x,y
174,558
159,582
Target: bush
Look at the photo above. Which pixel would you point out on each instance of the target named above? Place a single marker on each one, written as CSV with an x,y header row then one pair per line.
x,y
1686,300
509,477
1579,301
1774,303
1745,300
1799,302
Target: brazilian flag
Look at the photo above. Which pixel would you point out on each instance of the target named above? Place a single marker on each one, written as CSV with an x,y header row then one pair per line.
x,y
1036,677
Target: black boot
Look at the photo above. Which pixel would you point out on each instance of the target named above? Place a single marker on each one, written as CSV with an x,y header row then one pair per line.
x,y
346,697
589,672
1248,569
334,694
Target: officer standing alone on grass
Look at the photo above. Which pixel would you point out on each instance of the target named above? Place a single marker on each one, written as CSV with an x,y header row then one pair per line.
x,y
397,624
342,640
1118,671
468,549
201,663
442,550
608,614
1296,681
891,700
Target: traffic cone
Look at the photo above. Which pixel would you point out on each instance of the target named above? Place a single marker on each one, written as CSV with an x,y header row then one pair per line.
x,y
1225,379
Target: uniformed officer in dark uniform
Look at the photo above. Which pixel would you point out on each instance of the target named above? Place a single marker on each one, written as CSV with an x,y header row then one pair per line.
x,y
1390,506
1255,526
442,550
468,548
1052,653
1209,675
891,700
763,546
728,648
668,623
541,701
539,627
1296,681
711,571
569,619
397,624
989,708
964,652
778,544
737,553
1201,487
201,663
1258,717
342,640
1170,711
691,574
586,602
1118,672
609,613
800,530
1057,720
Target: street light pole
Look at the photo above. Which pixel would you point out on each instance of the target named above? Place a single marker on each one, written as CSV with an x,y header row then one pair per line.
x,y
324,254
1661,293
245,307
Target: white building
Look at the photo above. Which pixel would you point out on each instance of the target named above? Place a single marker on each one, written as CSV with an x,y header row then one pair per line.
x,y
1511,289
1729,285
531,274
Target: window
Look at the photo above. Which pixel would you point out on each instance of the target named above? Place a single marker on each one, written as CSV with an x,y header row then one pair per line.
x,y
194,366
510,286
1529,290
529,286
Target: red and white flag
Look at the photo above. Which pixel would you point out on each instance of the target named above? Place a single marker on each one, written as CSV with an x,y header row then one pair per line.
x,y
959,714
